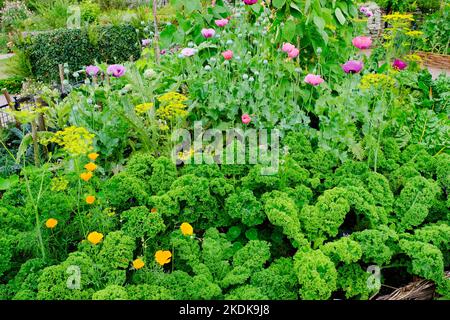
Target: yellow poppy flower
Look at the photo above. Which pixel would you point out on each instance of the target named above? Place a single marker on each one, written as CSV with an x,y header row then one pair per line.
x,y
90,199
163,257
138,264
90,166
186,229
51,223
86,176
95,237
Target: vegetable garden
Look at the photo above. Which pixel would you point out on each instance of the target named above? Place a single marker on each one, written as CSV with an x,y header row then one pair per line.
x,y
103,198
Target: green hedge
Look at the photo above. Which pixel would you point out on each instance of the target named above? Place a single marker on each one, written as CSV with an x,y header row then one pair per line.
x,y
13,84
78,48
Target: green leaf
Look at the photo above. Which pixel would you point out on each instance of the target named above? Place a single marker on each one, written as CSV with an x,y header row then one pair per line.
x,y
192,5
278,3
233,233
289,30
5,184
26,142
319,22
340,16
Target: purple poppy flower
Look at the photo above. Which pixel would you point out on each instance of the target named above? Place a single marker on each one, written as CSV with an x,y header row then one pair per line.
x,y
163,51
399,64
92,70
188,52
353,66
116,70
146,42
208,33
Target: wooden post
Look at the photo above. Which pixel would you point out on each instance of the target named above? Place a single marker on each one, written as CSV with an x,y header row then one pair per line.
x,y
61,77
156,38
11,105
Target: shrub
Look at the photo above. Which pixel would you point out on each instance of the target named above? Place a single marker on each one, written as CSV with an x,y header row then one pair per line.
x,y
13,85
45,51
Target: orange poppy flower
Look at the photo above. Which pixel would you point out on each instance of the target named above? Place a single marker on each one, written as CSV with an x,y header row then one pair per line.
x,y
90,166
163,257
95,237
86,176
154,210
93,156
138,264
90,199
51,223
186,229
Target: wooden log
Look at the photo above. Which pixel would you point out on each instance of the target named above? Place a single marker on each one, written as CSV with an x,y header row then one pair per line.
x,y
61,77
11,104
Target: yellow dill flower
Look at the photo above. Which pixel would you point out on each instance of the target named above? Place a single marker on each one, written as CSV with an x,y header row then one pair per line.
x,y
396,16
172,97
143,108
414,33
374,80
186,155
59,184
75,140
413,58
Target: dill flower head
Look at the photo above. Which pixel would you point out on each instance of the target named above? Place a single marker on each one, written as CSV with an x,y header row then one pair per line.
x,y
143,108
59,184
398,17
374,80
74,140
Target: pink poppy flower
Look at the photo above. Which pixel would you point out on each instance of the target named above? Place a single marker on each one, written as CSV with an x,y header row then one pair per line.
x,y
293,53
363,9
313,79
362,42
146,42
208,33
287,47
399,64
92,70
246,119
369,14
116,70
188,52
250,2
221,23
228,55
353,66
